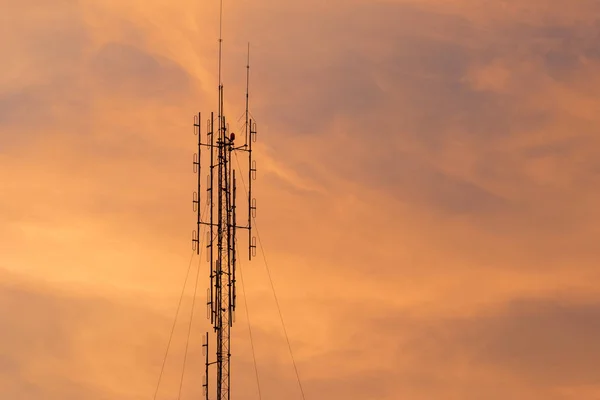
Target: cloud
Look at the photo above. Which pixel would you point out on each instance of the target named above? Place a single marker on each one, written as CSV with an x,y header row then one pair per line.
x,y
53,348
524,349
542,341
423,167
123,67
33,97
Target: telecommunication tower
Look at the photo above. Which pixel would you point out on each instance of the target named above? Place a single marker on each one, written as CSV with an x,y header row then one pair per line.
x,y
220,147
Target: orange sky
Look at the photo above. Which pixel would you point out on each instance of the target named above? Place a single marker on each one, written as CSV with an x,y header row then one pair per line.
x,y
428,188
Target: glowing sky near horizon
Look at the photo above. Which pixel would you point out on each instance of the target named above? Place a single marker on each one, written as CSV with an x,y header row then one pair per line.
x,y
428,194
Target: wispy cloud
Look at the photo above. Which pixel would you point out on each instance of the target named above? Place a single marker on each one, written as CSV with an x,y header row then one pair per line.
x,y
427,193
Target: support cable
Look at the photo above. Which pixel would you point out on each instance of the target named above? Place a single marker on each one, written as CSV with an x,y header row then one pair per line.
x,y
187,343
262,248
249,327
173,327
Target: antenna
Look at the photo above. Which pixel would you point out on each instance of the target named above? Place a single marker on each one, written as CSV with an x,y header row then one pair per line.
x,y
251,128
221,198
247,91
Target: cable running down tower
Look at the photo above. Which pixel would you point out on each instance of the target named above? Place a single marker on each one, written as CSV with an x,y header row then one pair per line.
x,y
217,147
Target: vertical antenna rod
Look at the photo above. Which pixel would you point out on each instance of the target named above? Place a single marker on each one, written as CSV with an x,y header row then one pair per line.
x,y
196,196
220,113
247,92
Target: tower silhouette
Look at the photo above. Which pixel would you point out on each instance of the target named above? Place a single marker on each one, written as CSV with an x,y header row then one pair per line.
x,y
220,147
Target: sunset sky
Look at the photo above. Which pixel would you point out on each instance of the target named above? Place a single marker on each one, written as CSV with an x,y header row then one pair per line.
x,y
428,190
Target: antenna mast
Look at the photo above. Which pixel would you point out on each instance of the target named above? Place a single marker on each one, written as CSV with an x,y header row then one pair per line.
x,y
221,220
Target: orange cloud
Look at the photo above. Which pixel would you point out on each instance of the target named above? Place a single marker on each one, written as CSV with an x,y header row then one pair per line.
x,y
427,195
